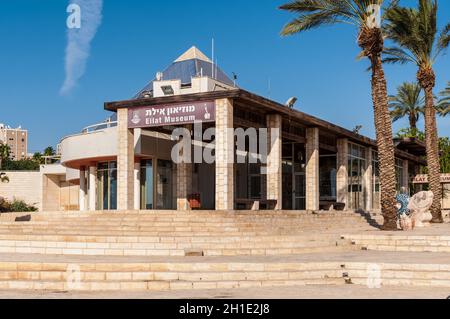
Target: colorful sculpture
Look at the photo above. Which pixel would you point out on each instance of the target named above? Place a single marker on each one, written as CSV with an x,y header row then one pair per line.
x,y
403,212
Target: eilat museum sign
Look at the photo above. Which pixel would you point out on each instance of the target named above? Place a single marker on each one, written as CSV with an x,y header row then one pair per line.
x,y
171,114
423,179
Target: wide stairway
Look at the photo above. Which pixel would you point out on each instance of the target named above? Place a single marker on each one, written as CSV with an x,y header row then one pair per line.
x,y
168,250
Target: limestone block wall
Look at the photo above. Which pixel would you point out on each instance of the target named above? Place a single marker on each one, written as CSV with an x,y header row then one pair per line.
x,y
24,186
312,169
224,155
274,168
342,173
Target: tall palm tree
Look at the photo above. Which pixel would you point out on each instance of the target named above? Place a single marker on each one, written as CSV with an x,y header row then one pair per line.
x,y
5,151
444,103
415,33
407,103
363,15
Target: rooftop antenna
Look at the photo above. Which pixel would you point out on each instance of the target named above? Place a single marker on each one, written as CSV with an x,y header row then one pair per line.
x,y
235,77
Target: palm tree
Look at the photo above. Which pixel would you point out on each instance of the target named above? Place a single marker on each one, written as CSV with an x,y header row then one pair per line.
x,y
415,33
443,106
407,103
5,151
363,15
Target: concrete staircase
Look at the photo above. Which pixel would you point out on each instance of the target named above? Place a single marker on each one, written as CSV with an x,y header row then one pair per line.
x,y
168,250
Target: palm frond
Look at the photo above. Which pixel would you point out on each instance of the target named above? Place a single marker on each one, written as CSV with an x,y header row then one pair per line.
x,y
407,102
315,13
415,31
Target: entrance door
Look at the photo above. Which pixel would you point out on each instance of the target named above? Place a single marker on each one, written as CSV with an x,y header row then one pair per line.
x,y
299,198
146,184
107,186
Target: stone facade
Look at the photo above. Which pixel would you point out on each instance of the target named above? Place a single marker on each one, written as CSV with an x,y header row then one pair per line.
x,y
312,169
274,168
342,171
224,155
125,162
23,186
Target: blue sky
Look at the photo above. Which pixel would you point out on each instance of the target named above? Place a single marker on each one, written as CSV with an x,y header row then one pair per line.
x,y
137,38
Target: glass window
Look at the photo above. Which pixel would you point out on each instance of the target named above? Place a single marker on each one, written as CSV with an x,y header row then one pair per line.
x,y
327,173
146,184
356,170
107,186
164,185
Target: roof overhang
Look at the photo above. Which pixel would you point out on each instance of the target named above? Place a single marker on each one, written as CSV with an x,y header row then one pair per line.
x,y
263,104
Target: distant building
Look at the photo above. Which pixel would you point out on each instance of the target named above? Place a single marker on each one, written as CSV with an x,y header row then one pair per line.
x,y
16,139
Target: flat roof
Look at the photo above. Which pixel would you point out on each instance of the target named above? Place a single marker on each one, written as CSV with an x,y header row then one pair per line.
x,y
263,104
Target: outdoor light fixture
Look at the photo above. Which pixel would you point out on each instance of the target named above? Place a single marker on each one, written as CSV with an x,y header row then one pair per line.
x,y
357,129
147,95
167,90
291,102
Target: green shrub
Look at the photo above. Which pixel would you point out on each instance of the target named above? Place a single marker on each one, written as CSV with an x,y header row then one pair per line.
x,y
16,206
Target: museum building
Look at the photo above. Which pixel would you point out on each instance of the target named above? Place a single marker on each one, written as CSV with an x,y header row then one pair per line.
x,y
126,162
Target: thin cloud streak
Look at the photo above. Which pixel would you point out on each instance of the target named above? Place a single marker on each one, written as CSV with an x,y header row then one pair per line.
x,y
79,42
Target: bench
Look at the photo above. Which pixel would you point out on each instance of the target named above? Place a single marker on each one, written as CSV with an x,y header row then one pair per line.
x,y
256,204
327,205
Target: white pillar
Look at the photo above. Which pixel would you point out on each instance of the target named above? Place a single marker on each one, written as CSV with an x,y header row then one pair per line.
x,y
125,162
274,167
406,176
92,188
342,173
83,189
137,186
368,180
224,155
312,169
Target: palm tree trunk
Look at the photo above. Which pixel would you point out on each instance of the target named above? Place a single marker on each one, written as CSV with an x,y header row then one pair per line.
x,y
386,154
413,122
432,143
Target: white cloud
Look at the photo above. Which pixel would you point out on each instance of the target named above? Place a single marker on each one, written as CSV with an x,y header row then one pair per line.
x,y
79,42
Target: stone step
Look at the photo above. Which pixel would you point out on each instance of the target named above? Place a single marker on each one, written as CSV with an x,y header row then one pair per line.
x,y
413,243
172,239
178,276
196,251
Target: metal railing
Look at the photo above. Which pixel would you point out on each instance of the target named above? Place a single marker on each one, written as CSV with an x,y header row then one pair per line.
x,y
98,127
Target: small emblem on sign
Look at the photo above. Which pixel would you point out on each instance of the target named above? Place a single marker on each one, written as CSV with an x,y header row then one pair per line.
x,y
207,114
136,119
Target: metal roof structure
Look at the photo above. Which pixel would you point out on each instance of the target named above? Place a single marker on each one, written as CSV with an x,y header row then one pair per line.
x,y
192,63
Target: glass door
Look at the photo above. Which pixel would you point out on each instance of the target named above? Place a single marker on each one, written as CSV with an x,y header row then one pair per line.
x,y
147,184
299,191
164,185
107,186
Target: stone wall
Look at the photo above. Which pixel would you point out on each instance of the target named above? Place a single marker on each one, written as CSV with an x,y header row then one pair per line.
x,y
24,186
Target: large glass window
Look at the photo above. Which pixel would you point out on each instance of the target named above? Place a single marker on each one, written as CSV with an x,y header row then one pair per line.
x,y
327,173
356,169
107,186
294,184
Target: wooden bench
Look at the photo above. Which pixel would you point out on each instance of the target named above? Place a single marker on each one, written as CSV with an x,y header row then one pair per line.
x,y
256,204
